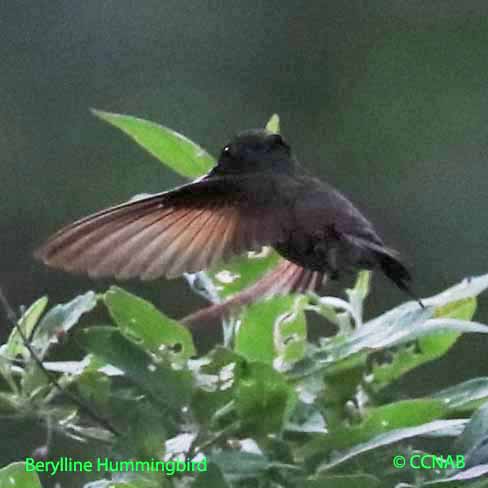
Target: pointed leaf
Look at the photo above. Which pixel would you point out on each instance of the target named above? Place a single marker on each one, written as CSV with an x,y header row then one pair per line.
x,y
263,399
427,347
60,319
239,465
468,288
19,475
273,124
243,271
358,294
467,475
166,385
213,477
15,344
391,438
468,395
273,331
146,326
171,148
475,434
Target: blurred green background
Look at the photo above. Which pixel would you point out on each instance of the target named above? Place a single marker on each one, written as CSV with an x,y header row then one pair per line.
x,y
387,100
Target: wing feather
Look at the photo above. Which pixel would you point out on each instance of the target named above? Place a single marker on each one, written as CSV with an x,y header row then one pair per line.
x,y
183,230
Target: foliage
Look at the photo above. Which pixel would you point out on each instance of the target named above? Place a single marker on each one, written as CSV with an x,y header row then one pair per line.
x,y
271,407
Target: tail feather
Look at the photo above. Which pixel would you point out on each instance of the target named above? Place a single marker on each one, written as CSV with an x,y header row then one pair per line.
x,y
389,262
396,271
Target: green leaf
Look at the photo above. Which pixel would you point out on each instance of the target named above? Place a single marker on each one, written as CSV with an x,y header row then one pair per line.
x,y
468,395
143,324
10,403
239,465
15,344
468,288
242,271
264,400
306,418
94,387
321,360
213,478
460,309
171,148
72,367
60,319
377,421
273,124
144,433
215,378
358,294
427,348
328,308
402,325
341,312
476,432
19,475
341,386
139,480
163,383
398,326
390,438
34,381
405,413
273,331
436,345
464,479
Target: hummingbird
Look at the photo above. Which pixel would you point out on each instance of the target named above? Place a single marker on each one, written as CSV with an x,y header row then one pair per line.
x,y
257,194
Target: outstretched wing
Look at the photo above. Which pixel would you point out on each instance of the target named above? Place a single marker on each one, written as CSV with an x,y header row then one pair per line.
x,y
183,230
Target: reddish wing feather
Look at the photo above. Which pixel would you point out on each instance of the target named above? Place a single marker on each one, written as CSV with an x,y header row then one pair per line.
x,y
186,229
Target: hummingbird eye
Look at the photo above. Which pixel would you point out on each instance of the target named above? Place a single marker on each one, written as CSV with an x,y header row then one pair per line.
x,y
227,151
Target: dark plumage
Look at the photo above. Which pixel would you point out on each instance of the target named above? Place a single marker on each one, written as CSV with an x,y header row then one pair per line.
x,y
256,195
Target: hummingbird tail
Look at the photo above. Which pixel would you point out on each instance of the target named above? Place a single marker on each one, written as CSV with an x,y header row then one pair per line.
x,y
393,268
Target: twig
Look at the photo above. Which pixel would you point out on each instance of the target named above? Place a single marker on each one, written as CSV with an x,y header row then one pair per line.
x,y
195,449
84,407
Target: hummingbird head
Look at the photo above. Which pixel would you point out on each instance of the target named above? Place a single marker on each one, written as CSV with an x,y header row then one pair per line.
x,y
256,150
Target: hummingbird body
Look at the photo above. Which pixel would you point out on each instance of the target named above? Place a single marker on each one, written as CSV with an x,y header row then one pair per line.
x,y
257,195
